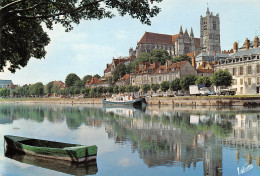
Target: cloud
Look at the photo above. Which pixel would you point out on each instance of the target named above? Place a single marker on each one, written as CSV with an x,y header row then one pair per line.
x,y
125,162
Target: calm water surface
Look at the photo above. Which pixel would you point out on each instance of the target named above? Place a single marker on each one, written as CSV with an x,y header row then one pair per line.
x,y
153,141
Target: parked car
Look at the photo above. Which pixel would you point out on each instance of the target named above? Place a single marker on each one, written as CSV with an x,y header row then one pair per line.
x,y
212,93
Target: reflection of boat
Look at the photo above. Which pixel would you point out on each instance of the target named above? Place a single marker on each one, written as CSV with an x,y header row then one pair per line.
x,y
50,149
125,100
124,111
86,168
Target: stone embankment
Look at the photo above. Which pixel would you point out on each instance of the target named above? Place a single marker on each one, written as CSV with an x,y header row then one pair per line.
x,y
175,101
205,101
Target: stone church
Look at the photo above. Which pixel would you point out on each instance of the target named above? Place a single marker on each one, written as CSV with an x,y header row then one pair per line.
x,y
183,42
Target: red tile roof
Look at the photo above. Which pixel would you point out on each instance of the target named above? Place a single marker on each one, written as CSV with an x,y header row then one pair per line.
x,y
94,80
177,66
155,38
108,69
205,70
125,77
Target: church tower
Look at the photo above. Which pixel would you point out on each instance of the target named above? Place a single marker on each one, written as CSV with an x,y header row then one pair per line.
x,y
210,32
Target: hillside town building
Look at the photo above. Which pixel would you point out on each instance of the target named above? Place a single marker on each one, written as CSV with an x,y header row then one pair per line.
x,y
244,65
5,83
155,73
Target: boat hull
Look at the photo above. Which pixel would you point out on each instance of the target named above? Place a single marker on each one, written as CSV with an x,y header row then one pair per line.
x,y
137,102
50,149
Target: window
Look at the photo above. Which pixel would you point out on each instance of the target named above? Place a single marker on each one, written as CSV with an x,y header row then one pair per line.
x,y
241,69
257,68
234,81
214,25
234,71
249,81
249,69
160,78
257,80
241,81
241,90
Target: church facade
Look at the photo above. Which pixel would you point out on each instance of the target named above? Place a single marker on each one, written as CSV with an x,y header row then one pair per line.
x,y
184,42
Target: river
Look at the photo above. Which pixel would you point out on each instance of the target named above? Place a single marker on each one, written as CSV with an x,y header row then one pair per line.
x,y
158,140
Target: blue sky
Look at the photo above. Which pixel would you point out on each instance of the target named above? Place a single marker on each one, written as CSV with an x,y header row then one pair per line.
x,y
92,44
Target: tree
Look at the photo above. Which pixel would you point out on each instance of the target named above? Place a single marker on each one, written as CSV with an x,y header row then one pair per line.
x,y
48,88
79,84
97,76
115,90
180,58
221,78
37,89
175,85
86,78
71,79
188,80
121,89
165,85
146,88
4,92
129,88
136,89
22,35
155,87
119,71
203,80
160,55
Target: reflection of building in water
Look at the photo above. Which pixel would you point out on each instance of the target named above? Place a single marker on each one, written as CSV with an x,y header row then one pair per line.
x,y
160,142
245,137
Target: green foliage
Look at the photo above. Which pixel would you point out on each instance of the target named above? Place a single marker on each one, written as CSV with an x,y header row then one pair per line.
x,y
146,88
156,55
188,80
165,85
203,80
221,78
97,76
110,89
136,89
36,89
115,89
48,88
121,89
79,84
175,85
71,79
155,87
4,92
21,33
119,71
180,58
129,88
86,78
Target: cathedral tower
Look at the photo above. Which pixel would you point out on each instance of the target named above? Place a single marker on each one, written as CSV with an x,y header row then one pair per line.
x,y
210,32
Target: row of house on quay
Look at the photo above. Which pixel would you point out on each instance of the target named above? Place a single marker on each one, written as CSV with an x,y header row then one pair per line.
x,y
243,63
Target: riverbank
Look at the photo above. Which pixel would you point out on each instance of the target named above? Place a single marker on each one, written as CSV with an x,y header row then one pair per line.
x,y
175,101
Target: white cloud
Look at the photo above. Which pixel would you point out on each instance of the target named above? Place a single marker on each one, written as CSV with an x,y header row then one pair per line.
x,y
125,162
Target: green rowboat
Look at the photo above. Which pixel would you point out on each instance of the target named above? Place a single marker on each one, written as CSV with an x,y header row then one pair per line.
x,y
50,149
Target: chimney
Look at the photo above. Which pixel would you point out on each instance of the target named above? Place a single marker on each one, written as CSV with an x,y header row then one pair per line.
x,y
147,64
193,61
141,65
247,43
235,47
137,69
168,63
256,42
107,65
156,64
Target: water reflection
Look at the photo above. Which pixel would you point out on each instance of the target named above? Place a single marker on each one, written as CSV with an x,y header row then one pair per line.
x,y
89,168
177,137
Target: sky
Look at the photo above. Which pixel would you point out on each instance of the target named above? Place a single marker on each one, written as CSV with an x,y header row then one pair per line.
x,y
92,44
